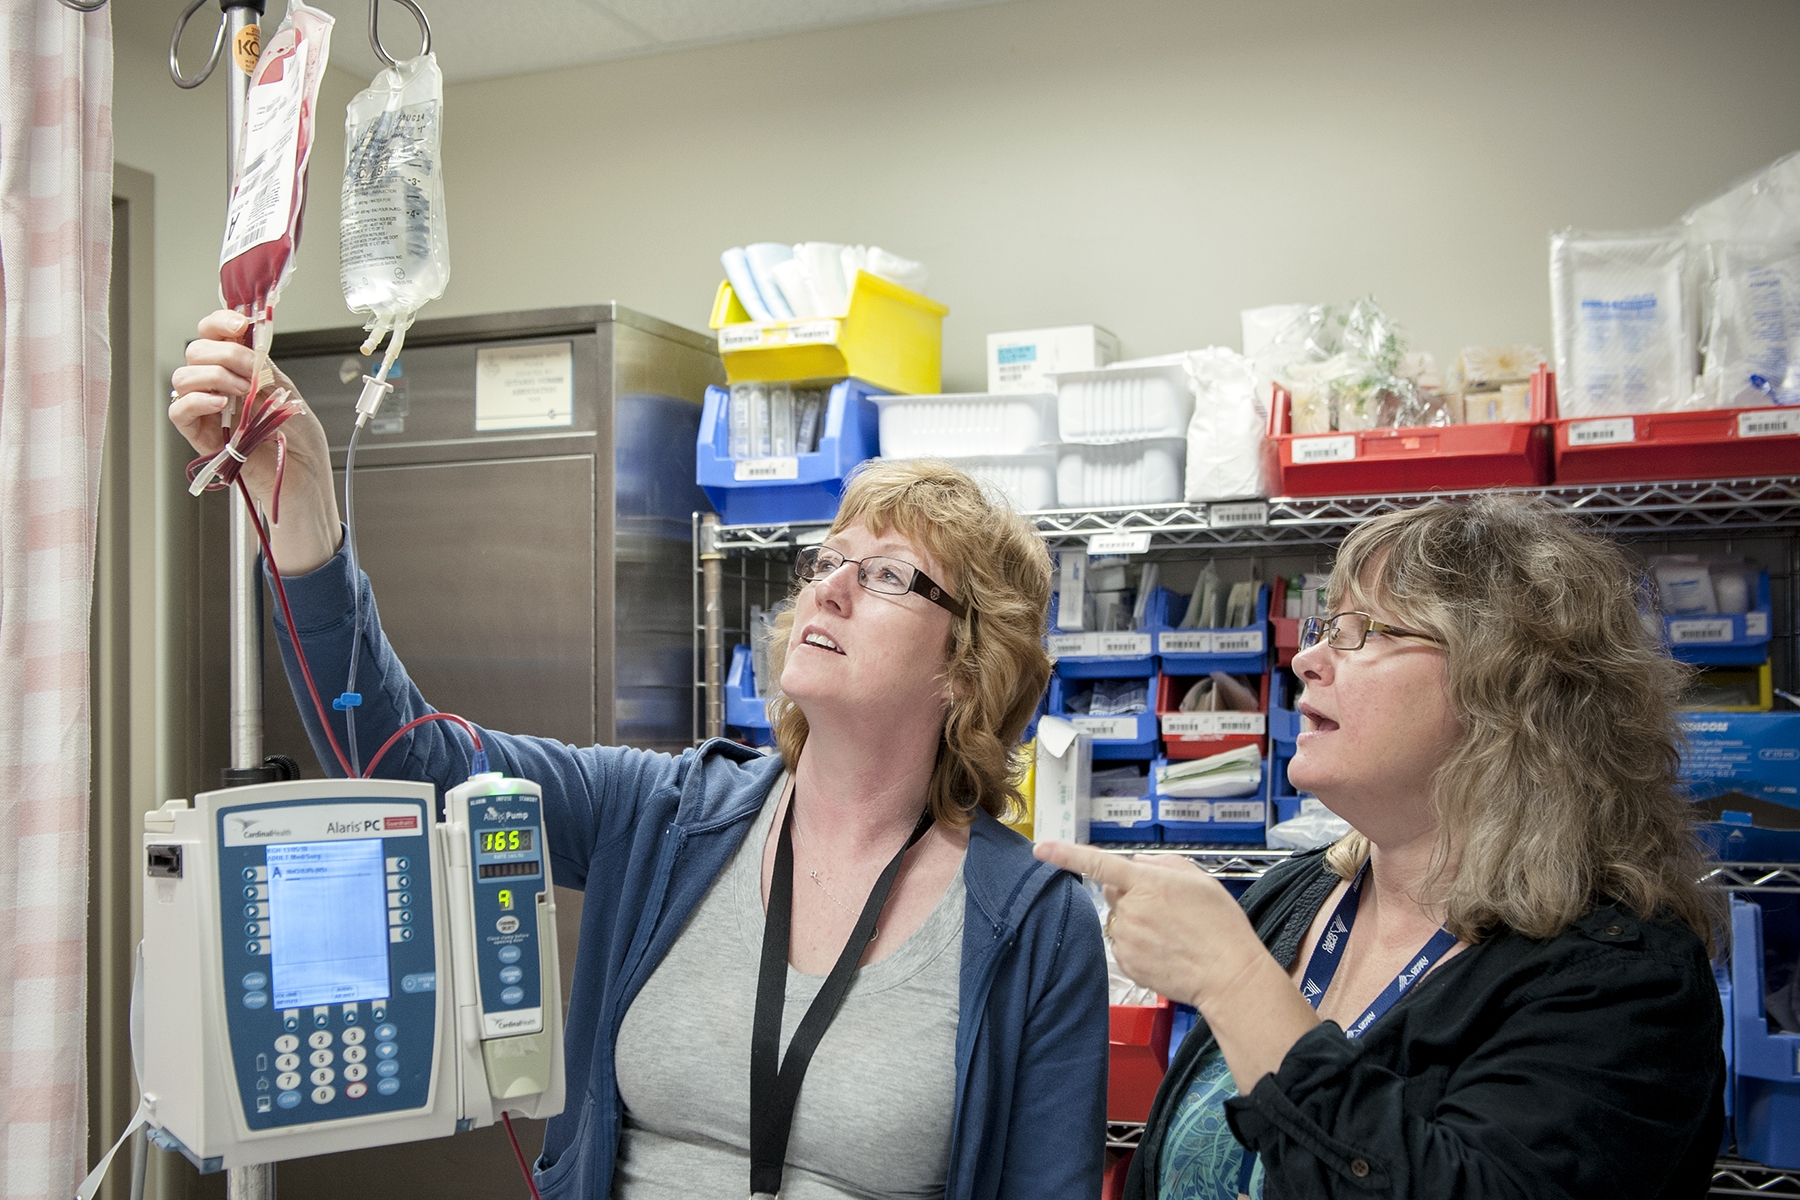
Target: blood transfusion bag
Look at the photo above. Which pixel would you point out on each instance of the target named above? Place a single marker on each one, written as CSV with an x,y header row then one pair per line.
x,y
268,197
393,242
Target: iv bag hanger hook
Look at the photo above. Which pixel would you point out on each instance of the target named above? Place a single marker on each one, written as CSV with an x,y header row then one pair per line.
x,y
218,46
375,34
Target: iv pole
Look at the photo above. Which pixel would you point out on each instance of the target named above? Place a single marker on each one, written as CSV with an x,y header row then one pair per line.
x,y
238,29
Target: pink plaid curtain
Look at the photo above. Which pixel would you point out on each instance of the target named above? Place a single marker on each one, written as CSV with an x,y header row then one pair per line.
x,y
55,267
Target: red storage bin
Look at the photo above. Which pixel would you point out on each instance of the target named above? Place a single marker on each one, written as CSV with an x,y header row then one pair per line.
x,y
1286,629
1169,691
1712,443
1139,1055
1423,458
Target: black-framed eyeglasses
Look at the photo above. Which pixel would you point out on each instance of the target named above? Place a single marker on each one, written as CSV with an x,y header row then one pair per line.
x,y
1351,630
877,573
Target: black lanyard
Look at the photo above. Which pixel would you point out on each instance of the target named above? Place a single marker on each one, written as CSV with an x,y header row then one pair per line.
x,y
775,1084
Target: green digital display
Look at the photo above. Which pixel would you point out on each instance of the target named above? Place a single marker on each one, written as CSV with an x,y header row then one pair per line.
x,y
500,841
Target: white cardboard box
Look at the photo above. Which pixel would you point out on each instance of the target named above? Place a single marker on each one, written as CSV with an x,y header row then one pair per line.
x,y
1025,360
1065,769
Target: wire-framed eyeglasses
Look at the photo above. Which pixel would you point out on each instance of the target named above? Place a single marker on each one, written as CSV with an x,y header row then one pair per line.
x,y
877,573
1351,630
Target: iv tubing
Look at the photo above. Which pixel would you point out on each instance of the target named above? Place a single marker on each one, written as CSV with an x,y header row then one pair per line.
x,y
350,549
520,1155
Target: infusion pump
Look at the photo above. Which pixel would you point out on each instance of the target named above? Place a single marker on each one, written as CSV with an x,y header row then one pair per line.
x,y
327,967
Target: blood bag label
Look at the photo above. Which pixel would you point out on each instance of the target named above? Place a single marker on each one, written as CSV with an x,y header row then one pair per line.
x,y
1689,632
264,194
752,469
1602,433
524,387
1238,810
1115,810
1768,422
1186,810
1107,729
1325,449
1184,643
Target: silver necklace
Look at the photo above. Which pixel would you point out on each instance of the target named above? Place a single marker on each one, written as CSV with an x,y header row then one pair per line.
x,y
818,879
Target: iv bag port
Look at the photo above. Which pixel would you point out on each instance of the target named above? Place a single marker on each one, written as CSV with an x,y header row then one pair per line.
x,y
162,862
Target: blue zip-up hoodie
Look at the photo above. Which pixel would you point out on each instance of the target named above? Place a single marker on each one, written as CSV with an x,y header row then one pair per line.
x,y
645,834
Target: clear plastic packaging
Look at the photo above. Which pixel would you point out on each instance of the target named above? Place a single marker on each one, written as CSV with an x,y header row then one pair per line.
x,y
1624,341
393,237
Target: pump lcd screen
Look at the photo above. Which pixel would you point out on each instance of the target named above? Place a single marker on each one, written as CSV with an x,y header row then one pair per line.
x,y
328,928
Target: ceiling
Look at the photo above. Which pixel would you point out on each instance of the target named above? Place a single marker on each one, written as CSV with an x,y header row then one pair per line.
x,y
480,39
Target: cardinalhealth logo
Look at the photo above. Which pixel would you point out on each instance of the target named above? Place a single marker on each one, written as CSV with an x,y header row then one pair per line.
x,y
391,823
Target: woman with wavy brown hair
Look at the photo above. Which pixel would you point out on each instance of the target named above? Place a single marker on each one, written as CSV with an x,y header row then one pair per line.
x,y
827,973
1498,983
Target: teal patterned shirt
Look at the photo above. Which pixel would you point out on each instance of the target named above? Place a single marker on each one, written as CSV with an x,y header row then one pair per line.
x,y
1201,1159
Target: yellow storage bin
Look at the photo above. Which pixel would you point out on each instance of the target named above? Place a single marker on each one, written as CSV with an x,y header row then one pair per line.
x,y
890,337
1023,820
1732,689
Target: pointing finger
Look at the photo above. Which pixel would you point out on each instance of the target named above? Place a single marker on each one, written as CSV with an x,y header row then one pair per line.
x,y
1108,870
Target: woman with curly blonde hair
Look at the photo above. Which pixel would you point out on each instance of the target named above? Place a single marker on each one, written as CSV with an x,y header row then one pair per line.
x,y
827,973
1498,983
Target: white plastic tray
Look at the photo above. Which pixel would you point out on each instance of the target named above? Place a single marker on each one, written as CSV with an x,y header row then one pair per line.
x,y
1028,481
958,426
1146,472
1124,404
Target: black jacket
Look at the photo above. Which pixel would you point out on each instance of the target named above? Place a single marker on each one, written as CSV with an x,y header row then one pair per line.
x,y
1589,1065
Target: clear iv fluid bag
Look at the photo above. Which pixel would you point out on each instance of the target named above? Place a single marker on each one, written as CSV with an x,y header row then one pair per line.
x,y
393,242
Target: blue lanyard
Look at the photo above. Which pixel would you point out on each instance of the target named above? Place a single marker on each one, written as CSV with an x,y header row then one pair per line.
x,y
1322,967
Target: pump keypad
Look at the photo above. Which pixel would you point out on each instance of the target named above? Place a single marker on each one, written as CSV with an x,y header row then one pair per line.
x,y
345,881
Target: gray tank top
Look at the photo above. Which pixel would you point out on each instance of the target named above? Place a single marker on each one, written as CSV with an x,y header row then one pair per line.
x,y
873,1120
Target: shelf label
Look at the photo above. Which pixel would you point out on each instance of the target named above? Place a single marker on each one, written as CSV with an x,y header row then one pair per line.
x,y
1122,645
1325,449
1756,624
1118,543
1214,724
1067,645
740,337
758,469
1250,641
812,333
1186,810
1184,643
1108,729
1238,516
1691,631
1602,433
1768,422
1116,810
1240,810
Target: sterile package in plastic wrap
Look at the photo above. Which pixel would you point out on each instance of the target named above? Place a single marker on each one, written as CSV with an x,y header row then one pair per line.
x,y
1624,336
1226,435
393,240
1753,327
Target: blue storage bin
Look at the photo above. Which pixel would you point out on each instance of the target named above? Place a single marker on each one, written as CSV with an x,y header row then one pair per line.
x,y
1229,820
1241,651
743,709
1722,977
1141,829
1132,737
1284,717
800,487
1766,1066
1181,1024
1726,640
1099,655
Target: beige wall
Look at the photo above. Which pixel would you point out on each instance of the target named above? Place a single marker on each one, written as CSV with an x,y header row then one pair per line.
x,y
1150,165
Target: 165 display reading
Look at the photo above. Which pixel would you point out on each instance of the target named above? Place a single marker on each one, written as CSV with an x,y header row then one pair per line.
x,y
500,840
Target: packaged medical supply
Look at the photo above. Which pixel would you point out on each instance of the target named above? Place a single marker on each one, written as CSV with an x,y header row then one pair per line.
x,y
393,238
1753,328
1064,795
1026,360
1623,324
775,419
743,284
1345,374
1234,773
1228,430
811,280
1315,826
762,257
